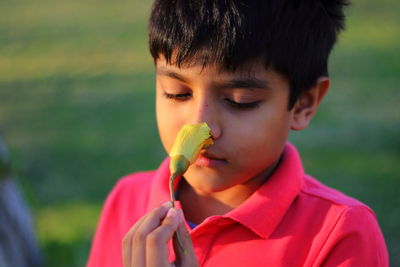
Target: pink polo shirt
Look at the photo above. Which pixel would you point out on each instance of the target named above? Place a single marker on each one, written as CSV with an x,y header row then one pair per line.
x,y
292,220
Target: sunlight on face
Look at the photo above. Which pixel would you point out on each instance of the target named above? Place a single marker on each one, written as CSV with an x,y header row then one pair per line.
x,y
246,111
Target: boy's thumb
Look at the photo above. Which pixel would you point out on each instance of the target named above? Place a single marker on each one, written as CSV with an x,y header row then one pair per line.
x,y
186,258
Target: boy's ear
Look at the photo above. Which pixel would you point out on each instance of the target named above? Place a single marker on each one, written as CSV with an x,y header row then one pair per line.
x,y
307,104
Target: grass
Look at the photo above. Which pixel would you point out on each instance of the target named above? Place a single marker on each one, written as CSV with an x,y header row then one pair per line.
x,y
77,112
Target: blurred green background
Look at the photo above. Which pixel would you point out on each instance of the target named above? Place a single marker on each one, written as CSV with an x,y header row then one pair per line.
x,y
77,112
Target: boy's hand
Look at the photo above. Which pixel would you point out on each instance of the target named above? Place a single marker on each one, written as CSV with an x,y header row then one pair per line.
x,y
145,245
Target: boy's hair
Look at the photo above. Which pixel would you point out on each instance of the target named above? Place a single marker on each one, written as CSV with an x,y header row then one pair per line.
x,y
293,37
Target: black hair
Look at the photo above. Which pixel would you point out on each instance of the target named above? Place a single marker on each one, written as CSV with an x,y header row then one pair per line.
x,y
293,37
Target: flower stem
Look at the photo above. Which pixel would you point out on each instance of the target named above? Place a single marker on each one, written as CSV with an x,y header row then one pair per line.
x,y
172,195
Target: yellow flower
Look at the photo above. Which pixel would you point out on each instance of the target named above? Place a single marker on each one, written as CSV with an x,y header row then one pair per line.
x,y
190,140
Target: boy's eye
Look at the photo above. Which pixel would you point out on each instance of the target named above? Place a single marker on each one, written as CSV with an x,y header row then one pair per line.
x,y
238,105
179,97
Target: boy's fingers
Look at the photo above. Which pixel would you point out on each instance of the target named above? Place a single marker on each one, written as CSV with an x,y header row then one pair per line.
x,y
149,223
185,258
160,209
134,242
127,244
156,243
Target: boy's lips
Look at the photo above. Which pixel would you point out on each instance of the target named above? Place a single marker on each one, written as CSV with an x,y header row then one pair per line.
x,y
210,160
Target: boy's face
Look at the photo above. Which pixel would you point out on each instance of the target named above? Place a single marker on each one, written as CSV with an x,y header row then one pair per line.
x,y
246,111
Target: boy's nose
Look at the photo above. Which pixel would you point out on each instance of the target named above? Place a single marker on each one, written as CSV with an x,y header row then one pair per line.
x,y
205,112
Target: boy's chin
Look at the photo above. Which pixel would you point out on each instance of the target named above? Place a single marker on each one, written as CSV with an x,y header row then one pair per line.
x,y
207,181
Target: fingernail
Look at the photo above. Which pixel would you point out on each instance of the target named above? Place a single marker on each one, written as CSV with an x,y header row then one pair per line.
x,y
172,213
167,204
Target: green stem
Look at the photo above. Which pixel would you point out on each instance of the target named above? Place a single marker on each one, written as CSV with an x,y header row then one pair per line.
x,y
171,189
172,195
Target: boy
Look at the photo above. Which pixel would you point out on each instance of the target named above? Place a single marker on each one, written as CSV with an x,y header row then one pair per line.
x,y
253,71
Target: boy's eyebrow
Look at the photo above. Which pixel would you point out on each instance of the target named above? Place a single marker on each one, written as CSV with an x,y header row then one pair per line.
x,y
171,74
243,83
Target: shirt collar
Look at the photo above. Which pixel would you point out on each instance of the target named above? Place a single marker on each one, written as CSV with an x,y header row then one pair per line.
x,y
265,208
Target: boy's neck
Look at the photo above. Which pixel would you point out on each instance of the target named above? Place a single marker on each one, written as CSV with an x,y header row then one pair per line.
x,y
197,206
